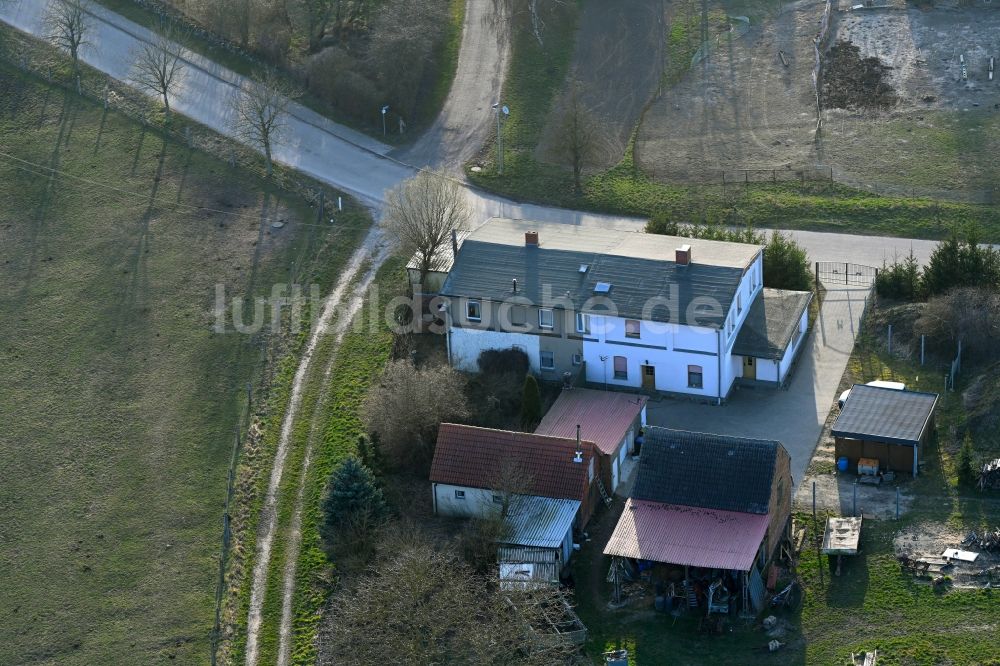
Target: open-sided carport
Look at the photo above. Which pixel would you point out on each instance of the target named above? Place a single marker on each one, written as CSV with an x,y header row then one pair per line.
x,y
883,423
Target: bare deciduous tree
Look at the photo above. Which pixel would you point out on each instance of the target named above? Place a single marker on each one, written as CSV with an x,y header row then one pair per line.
x,y
158,64
423,605
260,112
405,408
67,24
420,215
577,135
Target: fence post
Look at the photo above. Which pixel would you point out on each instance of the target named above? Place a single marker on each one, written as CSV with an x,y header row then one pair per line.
x,y
846,268
817,277
890,339
922,349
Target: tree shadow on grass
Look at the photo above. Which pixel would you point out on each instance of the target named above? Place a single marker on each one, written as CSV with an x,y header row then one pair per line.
x,y
40,218
135,295
100,130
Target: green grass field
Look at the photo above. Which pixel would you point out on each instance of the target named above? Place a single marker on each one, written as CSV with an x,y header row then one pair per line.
x,y
119,401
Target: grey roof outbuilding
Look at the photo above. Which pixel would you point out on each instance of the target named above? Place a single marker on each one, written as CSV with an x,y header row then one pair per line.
x,y
885,415
705,470
773,317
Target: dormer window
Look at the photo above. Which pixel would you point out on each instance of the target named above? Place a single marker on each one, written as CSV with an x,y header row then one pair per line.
x,y
474,311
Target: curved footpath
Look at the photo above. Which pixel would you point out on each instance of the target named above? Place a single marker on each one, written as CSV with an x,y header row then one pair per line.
x,y
364,167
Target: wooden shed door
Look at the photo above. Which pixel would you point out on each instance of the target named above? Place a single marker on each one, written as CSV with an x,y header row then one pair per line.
x,y
749,368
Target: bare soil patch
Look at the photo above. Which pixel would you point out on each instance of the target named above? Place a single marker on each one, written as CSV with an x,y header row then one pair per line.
x,y
853,82
930,539
618,61
748,105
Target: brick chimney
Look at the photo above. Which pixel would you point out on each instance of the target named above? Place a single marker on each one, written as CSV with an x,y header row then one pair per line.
x,y
531,238
683,255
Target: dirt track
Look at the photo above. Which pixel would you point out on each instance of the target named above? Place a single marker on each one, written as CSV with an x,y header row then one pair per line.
x,y
740,108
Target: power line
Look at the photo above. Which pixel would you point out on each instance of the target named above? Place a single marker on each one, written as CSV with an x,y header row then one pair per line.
x,y
47,171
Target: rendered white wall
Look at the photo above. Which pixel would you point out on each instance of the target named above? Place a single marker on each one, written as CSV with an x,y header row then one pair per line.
x,y
786,361
468,343
477,503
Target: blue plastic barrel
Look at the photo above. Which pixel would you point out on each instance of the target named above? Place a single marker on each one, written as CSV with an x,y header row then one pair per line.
x,y
842,463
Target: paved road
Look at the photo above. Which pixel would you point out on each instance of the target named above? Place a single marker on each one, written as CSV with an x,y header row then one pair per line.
x,y
362,166
794,416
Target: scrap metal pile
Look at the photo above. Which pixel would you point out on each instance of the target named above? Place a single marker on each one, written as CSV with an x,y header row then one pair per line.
x,y
989,476
988,540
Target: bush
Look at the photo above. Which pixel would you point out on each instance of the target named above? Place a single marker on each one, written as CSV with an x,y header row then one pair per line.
x,y
337,78
786,265
968,314
964,464
405,408
503,361
956,263
899,280
354,506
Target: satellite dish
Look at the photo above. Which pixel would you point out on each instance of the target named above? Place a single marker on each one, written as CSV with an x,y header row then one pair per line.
x,y
506,110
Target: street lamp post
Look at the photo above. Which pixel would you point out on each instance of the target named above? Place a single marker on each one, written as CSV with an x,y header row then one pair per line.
x,y
385,109
506,112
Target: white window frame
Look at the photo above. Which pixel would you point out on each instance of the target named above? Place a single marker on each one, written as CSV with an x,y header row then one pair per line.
x,y
498,499
577,359
582,322
701,373
460,494
638,329
541,363
551,316
739,303
468,308
614,370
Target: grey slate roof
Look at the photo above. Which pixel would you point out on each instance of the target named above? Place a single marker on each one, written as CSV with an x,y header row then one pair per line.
x,y
769,325
486,270
885,414
707,471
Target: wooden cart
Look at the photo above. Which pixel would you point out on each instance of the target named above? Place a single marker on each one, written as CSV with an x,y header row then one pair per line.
x,y
841,538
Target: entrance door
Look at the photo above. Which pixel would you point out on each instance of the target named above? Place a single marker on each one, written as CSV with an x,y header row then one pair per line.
x,y
749,368
648,378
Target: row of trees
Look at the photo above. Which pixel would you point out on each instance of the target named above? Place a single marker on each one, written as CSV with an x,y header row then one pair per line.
x,y
259,106
958,261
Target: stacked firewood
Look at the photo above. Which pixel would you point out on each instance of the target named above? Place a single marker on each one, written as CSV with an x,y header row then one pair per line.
x,y
988,540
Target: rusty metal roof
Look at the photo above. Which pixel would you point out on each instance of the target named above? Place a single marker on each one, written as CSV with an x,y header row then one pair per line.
x,y
604,417
488,458
686,535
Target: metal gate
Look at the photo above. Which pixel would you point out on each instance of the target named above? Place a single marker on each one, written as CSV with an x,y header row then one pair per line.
x,y
836,272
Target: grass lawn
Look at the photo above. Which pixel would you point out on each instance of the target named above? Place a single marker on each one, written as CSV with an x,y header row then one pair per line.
x,y
119,400
537,72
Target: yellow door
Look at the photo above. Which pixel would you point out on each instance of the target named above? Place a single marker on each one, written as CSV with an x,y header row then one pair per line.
x,y
648,378
749,368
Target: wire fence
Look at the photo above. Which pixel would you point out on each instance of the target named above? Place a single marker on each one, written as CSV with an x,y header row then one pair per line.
x,y
39,60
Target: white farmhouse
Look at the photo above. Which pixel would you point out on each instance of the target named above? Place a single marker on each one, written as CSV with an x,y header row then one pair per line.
x,y
625,309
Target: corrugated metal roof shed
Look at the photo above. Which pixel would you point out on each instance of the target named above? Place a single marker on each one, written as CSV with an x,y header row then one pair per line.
x,y
687,535
542,522
706,470
885,414
604,417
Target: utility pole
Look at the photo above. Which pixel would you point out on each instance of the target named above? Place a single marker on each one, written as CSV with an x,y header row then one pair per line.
x,y
385,109
506,112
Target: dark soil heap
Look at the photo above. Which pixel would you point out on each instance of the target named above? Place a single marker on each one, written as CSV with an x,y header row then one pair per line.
x,y
852,82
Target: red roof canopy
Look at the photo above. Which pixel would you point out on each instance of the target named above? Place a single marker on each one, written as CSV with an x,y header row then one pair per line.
x,y
604,417
687,535
481,457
